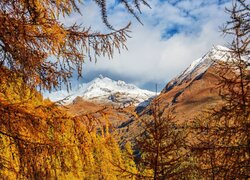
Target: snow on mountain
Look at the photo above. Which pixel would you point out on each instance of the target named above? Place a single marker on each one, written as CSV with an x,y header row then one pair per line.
x,y
199,66
104,89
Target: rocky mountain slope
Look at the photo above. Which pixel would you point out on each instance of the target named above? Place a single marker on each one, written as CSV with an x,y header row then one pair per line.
x,y
191,93
196,88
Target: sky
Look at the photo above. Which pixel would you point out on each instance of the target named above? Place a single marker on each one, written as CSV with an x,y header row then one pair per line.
x,y
174,34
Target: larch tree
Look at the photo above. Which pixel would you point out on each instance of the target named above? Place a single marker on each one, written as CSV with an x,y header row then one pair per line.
x,y
162,146
37,139
223,148
31,32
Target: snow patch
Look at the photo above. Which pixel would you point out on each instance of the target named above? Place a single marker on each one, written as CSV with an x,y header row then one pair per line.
x,y
104,89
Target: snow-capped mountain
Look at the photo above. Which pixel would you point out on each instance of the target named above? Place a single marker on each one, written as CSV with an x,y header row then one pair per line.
x,y
106,90
200,66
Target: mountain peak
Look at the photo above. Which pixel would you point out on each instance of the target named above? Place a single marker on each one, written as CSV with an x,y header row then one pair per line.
x,y
200,66
220,48
100,76
104,89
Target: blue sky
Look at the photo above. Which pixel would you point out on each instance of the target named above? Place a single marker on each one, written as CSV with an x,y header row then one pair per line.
x,y
175,33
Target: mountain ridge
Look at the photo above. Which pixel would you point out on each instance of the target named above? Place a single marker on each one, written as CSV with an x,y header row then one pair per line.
x,y
105,90
199,66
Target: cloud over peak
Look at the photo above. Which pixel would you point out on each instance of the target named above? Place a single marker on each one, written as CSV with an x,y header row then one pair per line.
x,y
175,32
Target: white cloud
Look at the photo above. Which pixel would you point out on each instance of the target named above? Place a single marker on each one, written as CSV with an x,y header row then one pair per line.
x,y
150,57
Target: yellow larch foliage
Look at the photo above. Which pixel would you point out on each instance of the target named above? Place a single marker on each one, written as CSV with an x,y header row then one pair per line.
x,y
39,140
